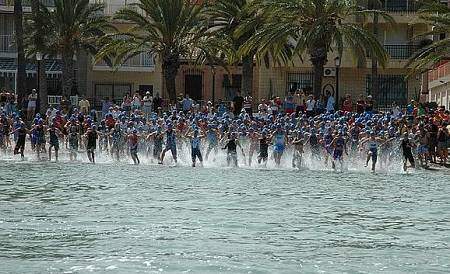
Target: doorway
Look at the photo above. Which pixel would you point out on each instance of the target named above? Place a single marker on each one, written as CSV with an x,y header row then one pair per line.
x,y
193,85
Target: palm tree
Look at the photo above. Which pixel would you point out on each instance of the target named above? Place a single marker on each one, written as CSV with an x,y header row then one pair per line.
x,y
167,29
226,17
21,62
233,23
315,28
437,15
38,42
70,27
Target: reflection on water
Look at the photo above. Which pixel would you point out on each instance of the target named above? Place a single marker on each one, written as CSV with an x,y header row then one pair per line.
x,y
125,219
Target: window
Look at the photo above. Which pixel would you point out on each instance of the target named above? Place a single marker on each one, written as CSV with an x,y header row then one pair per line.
x,y
297,81
115,92
232,86
392,88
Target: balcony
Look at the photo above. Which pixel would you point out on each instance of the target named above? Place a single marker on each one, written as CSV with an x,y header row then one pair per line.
x,y
397,6
141,62
7,43
112,6
440,72
399,52
26,3
400,5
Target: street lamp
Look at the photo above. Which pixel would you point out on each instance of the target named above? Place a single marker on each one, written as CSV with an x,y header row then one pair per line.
x,y
38,74
337,63
213,70
39,59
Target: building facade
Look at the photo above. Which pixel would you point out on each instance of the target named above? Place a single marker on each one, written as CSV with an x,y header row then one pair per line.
x,y
205,83
438,80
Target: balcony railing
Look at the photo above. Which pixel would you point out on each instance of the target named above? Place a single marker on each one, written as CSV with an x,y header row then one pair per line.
x,y
27,3
111,6
397,6
439,72
400,5
7,43
143,60
399,52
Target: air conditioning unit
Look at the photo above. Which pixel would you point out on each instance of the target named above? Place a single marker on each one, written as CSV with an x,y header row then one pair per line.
x,y
329,72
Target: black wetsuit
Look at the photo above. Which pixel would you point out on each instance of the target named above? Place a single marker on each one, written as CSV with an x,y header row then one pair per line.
x,y
263,148
92,140
407,153
20,144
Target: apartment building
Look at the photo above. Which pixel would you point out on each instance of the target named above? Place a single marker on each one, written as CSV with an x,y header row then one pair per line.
x,y
438,81
8,53
95,81
143,73
347,76
341,77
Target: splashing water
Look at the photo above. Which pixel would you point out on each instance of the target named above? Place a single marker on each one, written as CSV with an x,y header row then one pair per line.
x,y
119,218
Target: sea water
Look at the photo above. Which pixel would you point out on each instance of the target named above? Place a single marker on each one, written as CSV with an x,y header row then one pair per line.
x,y
119,218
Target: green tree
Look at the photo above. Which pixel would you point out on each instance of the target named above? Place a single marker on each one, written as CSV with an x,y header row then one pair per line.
x,y
232,24
315,28
227,17
38,41
19,41
432,53
70,26
167,29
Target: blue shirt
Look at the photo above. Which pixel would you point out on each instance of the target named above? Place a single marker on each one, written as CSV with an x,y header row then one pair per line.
x,y
187,104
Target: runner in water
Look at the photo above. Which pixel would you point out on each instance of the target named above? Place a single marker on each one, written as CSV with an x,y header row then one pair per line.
x,y
254,139
53,140
133,141
6,124
422,149
195,138
340,146
40,138
327,143
158,139
406,147
263,148
231,144
280,140
91,144
2,138
21,138
171,144
373,143
314,144
298,142
73,130
116,141
212,135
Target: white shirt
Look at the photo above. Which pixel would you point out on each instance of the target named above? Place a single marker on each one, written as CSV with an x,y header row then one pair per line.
x,y
147,101
310,104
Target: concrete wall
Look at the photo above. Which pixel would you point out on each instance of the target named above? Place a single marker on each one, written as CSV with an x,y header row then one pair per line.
x,y
441,95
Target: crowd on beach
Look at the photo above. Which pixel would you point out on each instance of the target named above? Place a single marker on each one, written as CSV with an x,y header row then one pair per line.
x,y
247,132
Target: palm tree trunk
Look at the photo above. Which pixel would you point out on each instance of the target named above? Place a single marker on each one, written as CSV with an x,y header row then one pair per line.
x,y
39,43
21,62
318,59
375,80
67,73
247,75
170,68
43,94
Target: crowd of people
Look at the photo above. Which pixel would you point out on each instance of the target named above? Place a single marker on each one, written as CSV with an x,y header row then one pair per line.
x,y
296,130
